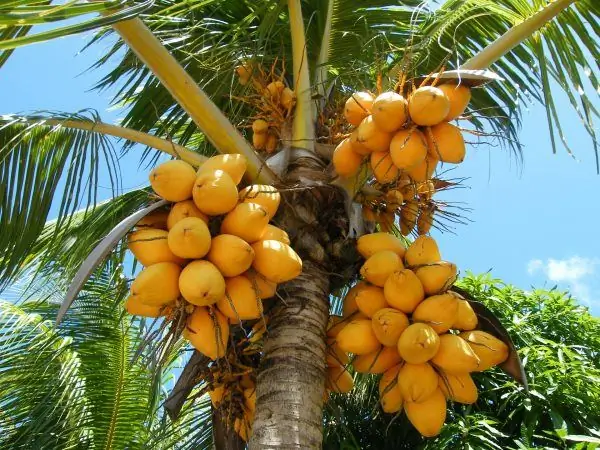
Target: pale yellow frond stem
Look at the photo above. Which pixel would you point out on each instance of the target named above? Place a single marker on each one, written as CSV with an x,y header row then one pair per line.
x,y
209,118
303,126
516,35
321,69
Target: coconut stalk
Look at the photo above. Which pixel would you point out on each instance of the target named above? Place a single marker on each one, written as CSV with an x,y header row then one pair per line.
x,y
321,69
516,35
205,114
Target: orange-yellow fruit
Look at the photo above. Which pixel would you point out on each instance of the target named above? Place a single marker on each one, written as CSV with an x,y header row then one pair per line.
x,y
407,188
403,291
388,325
372,137
335,355
208,331
262,194
418,343
428,416
490,350
259,126
272,142
408,216
233,164
264,287
134,307
157,285
189,238
424,170
216,395
288,98
390,111
241,301
459,97
339,380
455,356
259,140
378,361
378,267
386,221
383,168
149,246
357,107
428,106
244,72
349,306
437,311
346,161
358,337
247,221
173,180
390,396
275,233
231,254
215,192
437,277
357,146
183,210
446,143
394,198
466,319
458,388
408,148
423,250
369,244
417,382
274,89
201,283
370,299
156,219
276,261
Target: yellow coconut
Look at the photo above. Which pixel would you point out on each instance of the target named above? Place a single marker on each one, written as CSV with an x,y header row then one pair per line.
x,y
335,355
424,170
357,146
377,362
370,299
201,283
459,97
241,301
390,111
403,291
276,261
231,254
455,356
417,382
466,319
189,238
259,126
274,89
407,188
425,190
183,210
244,72
408,148
358,337
429,415
425,220
262,194
173,180
272,142
388,325
428,106
458,388
157,285
446,143
418,343
378,267
247,221
369,244
386,221
390,396
275,233
357,107
372,137
394,198
149,246
339,380
490,350
250,398
437,311
288,98
215,192
264,287
346,161
233,164
156,219
423,250
408,216
383,168
208,331
259,140
216,395
437,277
135,307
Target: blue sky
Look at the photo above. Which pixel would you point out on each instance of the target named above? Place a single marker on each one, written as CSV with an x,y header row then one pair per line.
x,y
533,224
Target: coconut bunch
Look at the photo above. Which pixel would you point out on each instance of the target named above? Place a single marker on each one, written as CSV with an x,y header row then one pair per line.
x,y
401,141
273,100
212,253
403,322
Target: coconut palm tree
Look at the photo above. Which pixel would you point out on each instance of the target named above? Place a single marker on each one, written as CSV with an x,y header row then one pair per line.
x,y
173,70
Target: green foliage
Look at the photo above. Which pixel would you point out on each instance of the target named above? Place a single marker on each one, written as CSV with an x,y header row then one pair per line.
x,y
558,341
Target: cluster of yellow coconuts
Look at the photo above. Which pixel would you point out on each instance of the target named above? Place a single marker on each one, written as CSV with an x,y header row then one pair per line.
x,y
219,278
402,141
402,321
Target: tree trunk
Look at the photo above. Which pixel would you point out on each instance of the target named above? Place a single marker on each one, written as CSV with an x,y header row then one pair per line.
x,y
291,380
224,436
